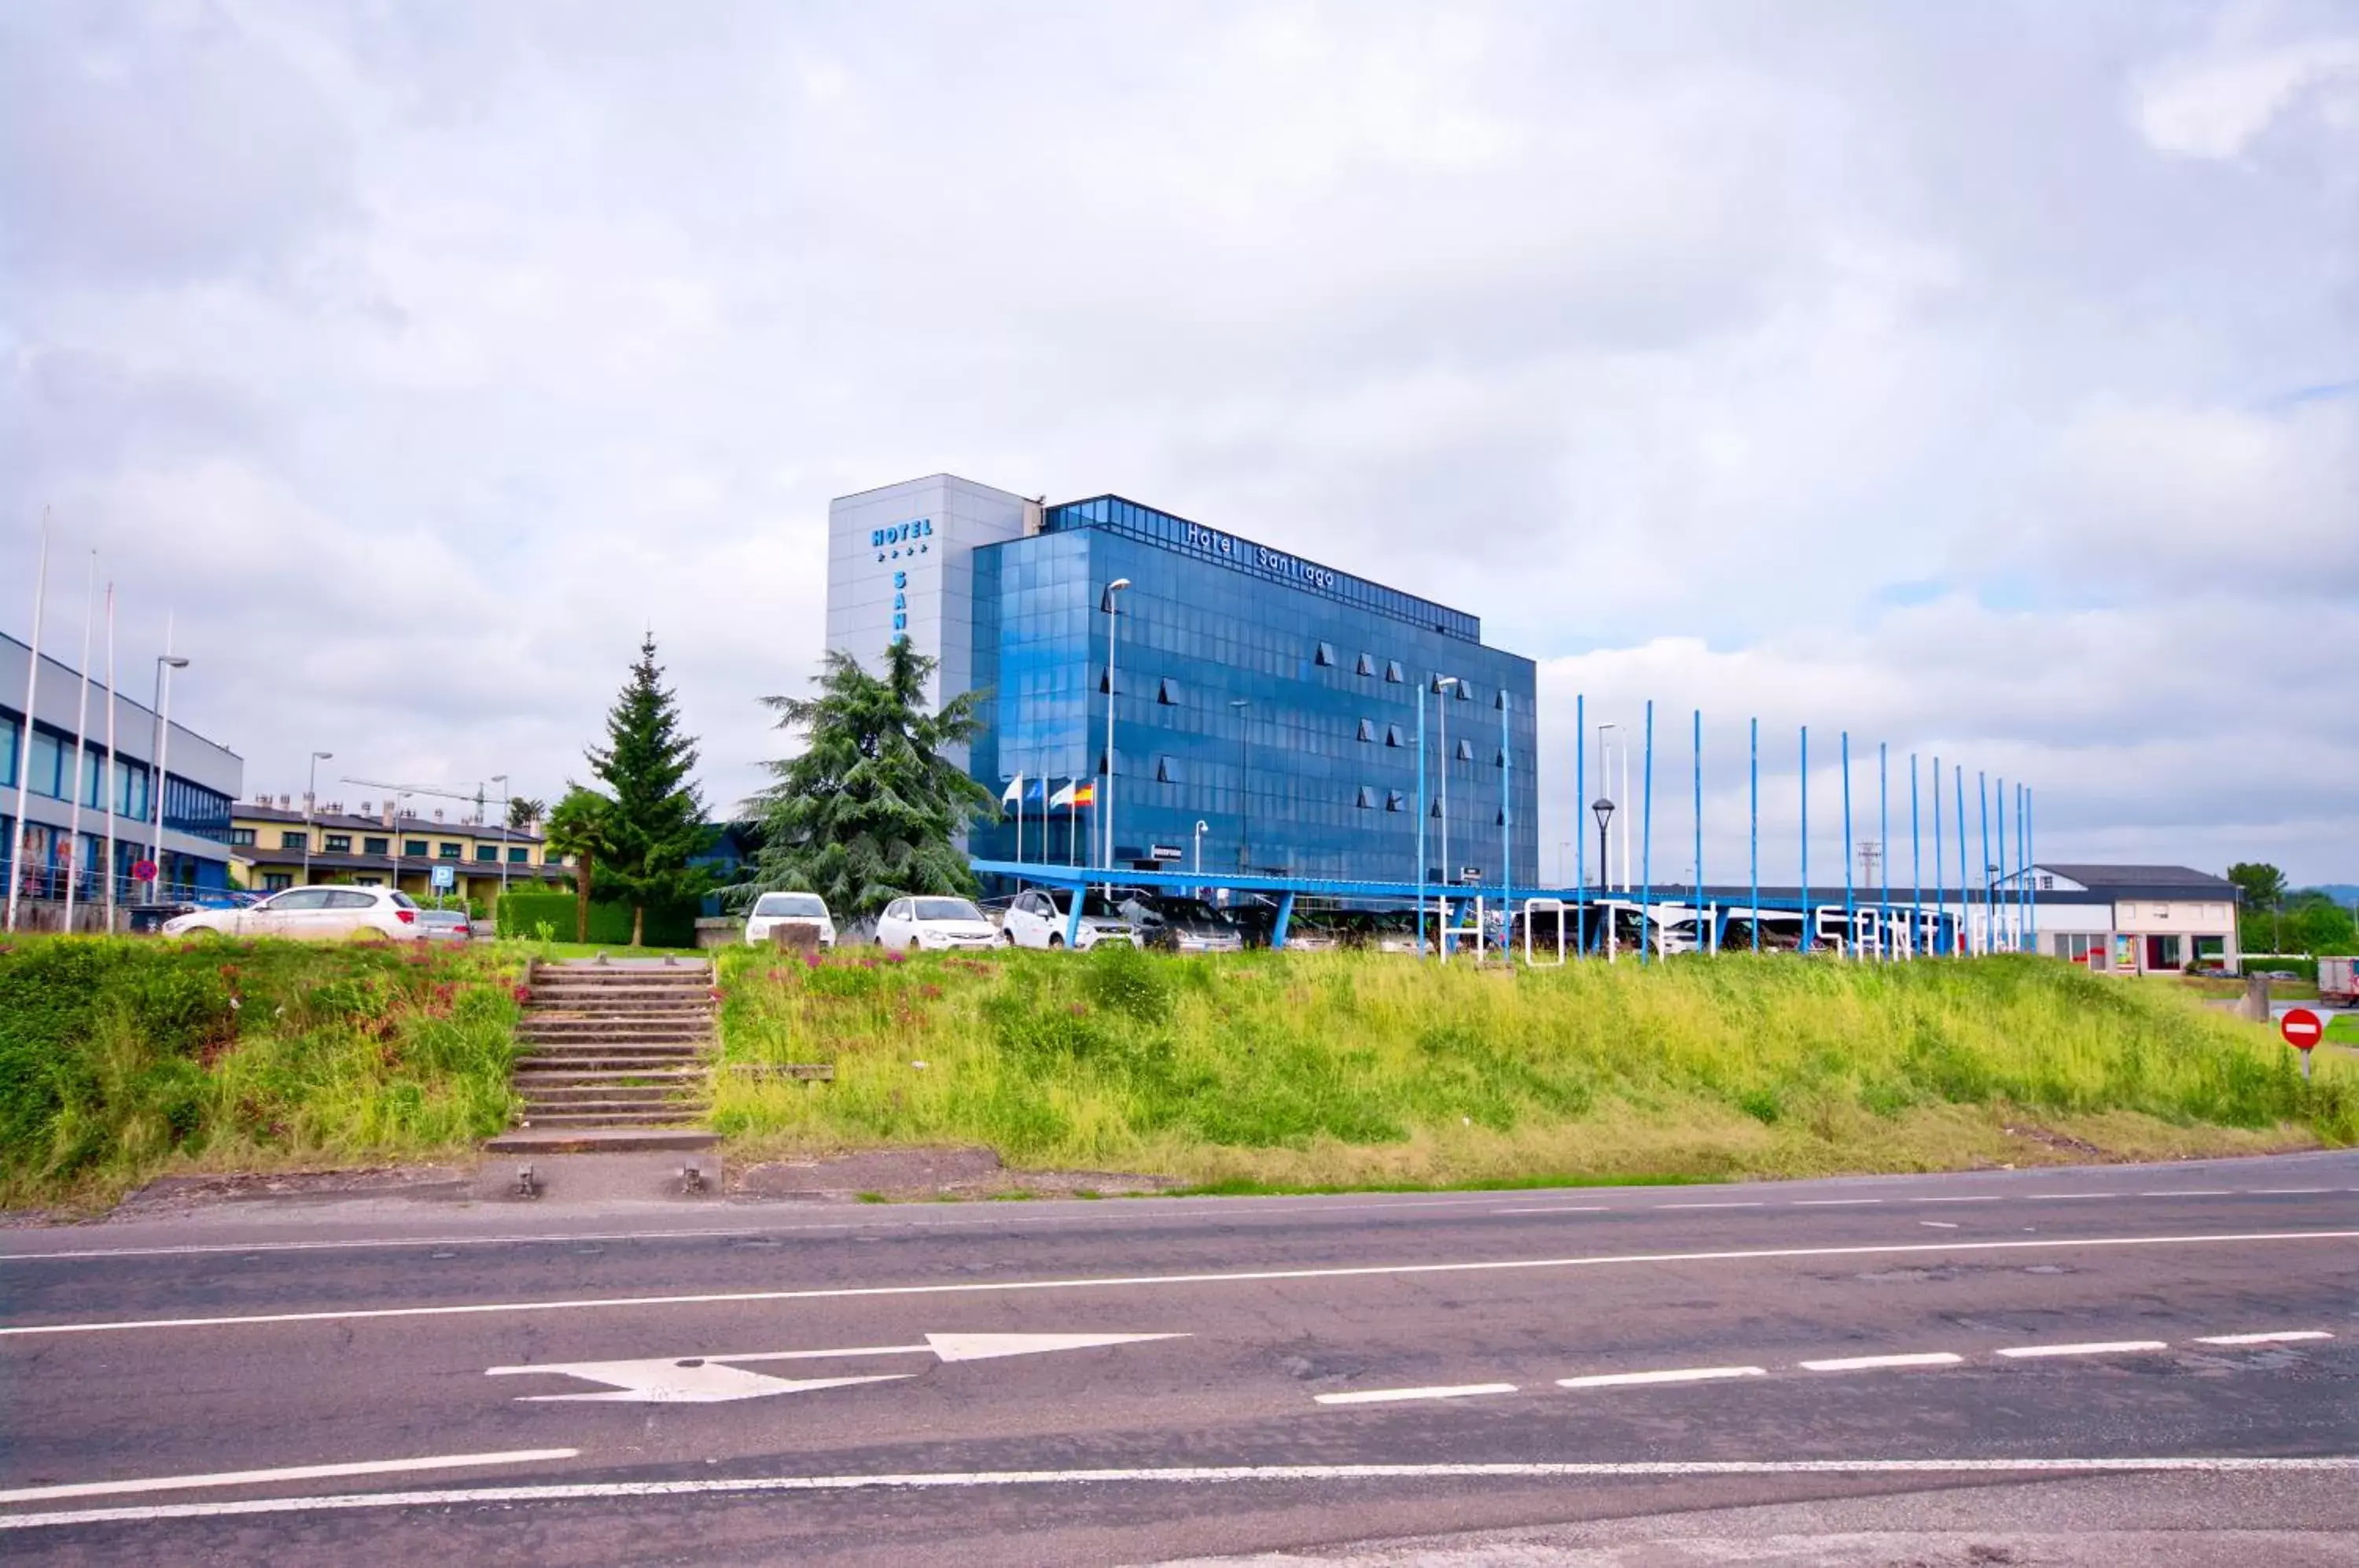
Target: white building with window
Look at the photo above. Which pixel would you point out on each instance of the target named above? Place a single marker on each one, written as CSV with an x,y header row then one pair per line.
x,y
2133,919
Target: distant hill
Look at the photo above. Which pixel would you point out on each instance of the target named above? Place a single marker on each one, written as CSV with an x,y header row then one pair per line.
x,y
2342,893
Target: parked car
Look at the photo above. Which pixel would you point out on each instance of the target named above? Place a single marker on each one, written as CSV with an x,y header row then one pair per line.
x,y
931,924
1182,925
773,909
445,925
1039,916
311,914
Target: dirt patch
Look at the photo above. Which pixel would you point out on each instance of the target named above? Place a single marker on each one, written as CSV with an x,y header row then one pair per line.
x,y
917,1175
2081,1149
169,1196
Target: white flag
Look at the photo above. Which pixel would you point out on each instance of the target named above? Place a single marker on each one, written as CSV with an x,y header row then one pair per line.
x,y
1062,800
1014,794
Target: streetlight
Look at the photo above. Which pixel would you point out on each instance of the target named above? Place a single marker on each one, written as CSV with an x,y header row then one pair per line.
x,y
162,708
312,793
1238,705
1113,607
1602,808
502,780
1201,825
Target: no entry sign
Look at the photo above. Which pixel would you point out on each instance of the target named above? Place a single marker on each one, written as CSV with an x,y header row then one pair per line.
x,y
2302,1028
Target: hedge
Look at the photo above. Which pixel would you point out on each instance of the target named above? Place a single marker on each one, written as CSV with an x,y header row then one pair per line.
x,y
669,924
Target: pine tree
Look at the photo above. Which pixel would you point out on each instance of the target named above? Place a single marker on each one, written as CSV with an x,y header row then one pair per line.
x,y
872,809
655,821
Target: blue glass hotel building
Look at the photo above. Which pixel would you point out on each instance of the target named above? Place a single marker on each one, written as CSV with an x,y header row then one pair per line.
x,y
1272,699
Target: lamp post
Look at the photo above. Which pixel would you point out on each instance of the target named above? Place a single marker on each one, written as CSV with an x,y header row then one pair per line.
x,y
310,794
162,709
1113,607
502,780
1201,825
1239,706
1602,808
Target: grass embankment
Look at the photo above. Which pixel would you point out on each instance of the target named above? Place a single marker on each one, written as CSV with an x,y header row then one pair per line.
x,y
1353,1068
122,1057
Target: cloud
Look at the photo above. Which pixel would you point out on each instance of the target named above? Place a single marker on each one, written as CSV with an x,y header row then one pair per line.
x,y
418,361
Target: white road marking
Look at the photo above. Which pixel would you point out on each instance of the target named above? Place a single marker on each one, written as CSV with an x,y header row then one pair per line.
x,y
1756,1203
1669,1375
1871,1363
1977,1198
2193,1192
1389,1396
1939,1224
1560,1209
289,1472
706,1380
1151,1282
2283,1338
757,1486
1832,1203
2285,1192
2069,1197
2115,1347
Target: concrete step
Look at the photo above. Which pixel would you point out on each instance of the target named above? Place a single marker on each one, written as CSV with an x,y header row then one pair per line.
x,y
594,1096
566,1078
697,999
659,1116
604,1062
684,1034
600,1140
575,1022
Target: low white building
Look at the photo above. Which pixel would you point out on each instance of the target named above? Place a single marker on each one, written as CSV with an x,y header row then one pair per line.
x,y
2130,919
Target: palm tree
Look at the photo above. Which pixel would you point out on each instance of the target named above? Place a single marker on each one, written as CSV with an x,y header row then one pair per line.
x,y
579,829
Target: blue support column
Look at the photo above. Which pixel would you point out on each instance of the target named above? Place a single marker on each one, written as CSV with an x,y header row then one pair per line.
x,y
1580,823
1809,926
1754,833
1285,918
1851,916
1423,682
1696,747
1940,891
1646,845
1073,917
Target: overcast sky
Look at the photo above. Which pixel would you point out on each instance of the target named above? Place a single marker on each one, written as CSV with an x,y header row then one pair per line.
x,y
1981,378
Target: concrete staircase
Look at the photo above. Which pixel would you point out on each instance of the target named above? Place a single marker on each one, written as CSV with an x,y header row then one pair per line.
x,y
615,1055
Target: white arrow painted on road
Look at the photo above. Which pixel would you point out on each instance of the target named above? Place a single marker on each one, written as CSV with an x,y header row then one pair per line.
x,y
714,1380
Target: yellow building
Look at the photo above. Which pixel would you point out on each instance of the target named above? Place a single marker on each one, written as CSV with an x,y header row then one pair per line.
x,y
373,848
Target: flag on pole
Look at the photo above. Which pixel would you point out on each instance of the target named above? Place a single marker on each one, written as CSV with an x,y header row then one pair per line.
x,y
1014,794
1063,799
1086,795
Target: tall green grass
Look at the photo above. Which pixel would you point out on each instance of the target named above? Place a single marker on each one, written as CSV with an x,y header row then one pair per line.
x,y
1344,1067
120,1058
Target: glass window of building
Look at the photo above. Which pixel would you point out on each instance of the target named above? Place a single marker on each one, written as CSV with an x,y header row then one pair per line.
x,y
487,852
1395,800
241,837
448,851
376,846
1368,729
1465,751
1465,691
1393,672
10,733
519,856
1392,735
294,841
1167,770
1167,692
338,844
1366,799
1326,653
415,847
1367,666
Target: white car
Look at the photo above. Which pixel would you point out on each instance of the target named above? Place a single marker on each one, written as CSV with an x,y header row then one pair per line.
x,y
782,909
933,923
1038,918
311,914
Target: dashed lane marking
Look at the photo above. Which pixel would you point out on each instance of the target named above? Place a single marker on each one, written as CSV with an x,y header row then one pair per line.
x,y
1391,1396
1834,1203
2287,1336
1669,1375
1875,1362
2110,1348
1753,1204
758,1486
1560,1209
1153,1281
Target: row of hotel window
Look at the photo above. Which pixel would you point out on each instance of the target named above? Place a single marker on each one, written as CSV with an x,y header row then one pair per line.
x,y
51,772
411,848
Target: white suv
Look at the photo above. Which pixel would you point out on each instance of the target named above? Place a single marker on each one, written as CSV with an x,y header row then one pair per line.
x,y
1038,918
932,924
785,908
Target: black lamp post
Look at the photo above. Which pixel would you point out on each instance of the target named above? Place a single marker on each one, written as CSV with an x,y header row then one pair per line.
x,y
1603,810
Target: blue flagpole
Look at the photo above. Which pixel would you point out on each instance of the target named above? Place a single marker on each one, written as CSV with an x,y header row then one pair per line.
x,y
1754,833
1420,819
1884,849
1696,750
1580,824
1646,843
2022,869
2031,891
1941,895
1851,916
1982,814
1507,836
1916,867
1959,944
1805,944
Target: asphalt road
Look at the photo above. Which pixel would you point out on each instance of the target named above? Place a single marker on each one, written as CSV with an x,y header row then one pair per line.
x,y
2130,1363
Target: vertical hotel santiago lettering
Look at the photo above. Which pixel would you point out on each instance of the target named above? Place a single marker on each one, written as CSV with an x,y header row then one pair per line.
x,y
913,540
